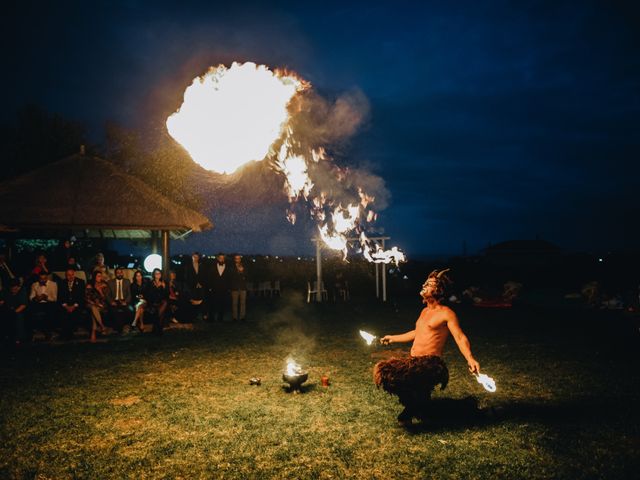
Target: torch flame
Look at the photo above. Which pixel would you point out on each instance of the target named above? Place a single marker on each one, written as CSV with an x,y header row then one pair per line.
x,y
231,116
367,337
487,382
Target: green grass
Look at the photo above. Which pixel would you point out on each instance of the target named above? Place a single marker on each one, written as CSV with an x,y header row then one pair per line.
x,y
181,406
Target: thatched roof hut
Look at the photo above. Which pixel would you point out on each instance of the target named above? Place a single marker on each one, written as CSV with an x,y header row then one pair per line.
x,y
87,196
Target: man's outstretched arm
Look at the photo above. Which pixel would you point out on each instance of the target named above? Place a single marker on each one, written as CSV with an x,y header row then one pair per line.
x,y
402,338
463,343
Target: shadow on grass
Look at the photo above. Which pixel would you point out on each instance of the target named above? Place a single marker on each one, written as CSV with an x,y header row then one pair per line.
x,y
304,388
449,414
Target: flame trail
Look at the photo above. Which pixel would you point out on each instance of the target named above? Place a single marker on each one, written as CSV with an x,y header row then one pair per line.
x,y
247,112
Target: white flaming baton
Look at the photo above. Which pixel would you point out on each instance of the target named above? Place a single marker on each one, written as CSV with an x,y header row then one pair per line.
x,y
246,112
367,337
487,382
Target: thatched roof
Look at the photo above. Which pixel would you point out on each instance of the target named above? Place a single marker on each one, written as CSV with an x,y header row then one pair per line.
x,y
89,196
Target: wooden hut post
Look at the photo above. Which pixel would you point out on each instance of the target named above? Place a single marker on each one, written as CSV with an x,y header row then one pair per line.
x,y
154,241
166,254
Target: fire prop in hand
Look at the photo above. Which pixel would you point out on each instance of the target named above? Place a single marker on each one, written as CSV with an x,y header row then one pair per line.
x,y
248,112
367,337
487,382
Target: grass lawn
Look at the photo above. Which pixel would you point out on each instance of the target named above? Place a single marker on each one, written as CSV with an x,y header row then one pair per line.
x,y
180,406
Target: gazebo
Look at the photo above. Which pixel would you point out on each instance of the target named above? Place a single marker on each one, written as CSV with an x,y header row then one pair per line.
x,y
89,197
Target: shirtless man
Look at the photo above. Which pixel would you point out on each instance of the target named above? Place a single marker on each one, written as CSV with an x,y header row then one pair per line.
x,y
414,378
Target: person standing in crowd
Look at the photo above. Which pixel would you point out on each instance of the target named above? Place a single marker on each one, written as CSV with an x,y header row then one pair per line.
x,y
96,298
43,298
64,251
119,299
137,299
238,282
71,299
156,295
195,278
219,282
13,306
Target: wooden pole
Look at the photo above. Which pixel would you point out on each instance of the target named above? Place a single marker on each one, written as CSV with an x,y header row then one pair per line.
x,y
318,270
383,266
154,241
166,254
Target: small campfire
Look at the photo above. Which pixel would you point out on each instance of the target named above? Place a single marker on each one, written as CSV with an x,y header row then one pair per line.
x,y
294,376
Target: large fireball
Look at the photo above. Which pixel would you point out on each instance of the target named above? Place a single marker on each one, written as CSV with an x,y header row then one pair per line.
x,y
231,116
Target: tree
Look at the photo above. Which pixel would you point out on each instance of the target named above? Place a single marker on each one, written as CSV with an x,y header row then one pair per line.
x,y
36,138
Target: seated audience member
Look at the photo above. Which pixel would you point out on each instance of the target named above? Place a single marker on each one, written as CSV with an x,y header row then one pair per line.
x,y
137,299
119,299
6,272
73,263
12,312
96,299
43,297
175,297
41,265
71,292
64,251
101,267
156,295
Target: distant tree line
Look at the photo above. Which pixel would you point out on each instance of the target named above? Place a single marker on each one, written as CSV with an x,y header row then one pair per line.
x,y
37,137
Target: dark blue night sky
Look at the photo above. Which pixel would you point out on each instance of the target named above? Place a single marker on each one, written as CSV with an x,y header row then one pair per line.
x,y
489,120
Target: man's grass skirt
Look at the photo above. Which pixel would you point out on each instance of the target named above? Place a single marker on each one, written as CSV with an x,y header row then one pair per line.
x,y
413,380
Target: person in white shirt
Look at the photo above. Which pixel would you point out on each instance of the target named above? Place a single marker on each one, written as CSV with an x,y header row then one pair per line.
x,y
42,302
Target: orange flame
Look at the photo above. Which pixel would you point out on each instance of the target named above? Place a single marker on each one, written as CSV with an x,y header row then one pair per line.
x,y
231,116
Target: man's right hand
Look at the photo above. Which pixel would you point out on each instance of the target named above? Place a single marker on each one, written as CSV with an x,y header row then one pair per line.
x,y
386,340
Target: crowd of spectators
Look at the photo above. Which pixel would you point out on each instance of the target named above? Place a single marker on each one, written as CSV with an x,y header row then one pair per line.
x,y
59,306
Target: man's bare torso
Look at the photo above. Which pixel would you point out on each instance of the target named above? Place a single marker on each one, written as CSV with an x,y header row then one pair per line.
x,y
431,331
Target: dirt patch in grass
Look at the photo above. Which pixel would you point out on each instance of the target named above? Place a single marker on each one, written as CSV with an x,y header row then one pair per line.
x,y
125,401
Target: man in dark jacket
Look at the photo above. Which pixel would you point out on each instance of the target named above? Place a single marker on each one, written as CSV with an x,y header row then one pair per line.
x,y
196,285
219,281
119,300
71,300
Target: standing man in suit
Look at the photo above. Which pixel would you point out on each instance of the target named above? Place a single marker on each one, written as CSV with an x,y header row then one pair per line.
x,y
71,300
119,300
197,284
220,287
